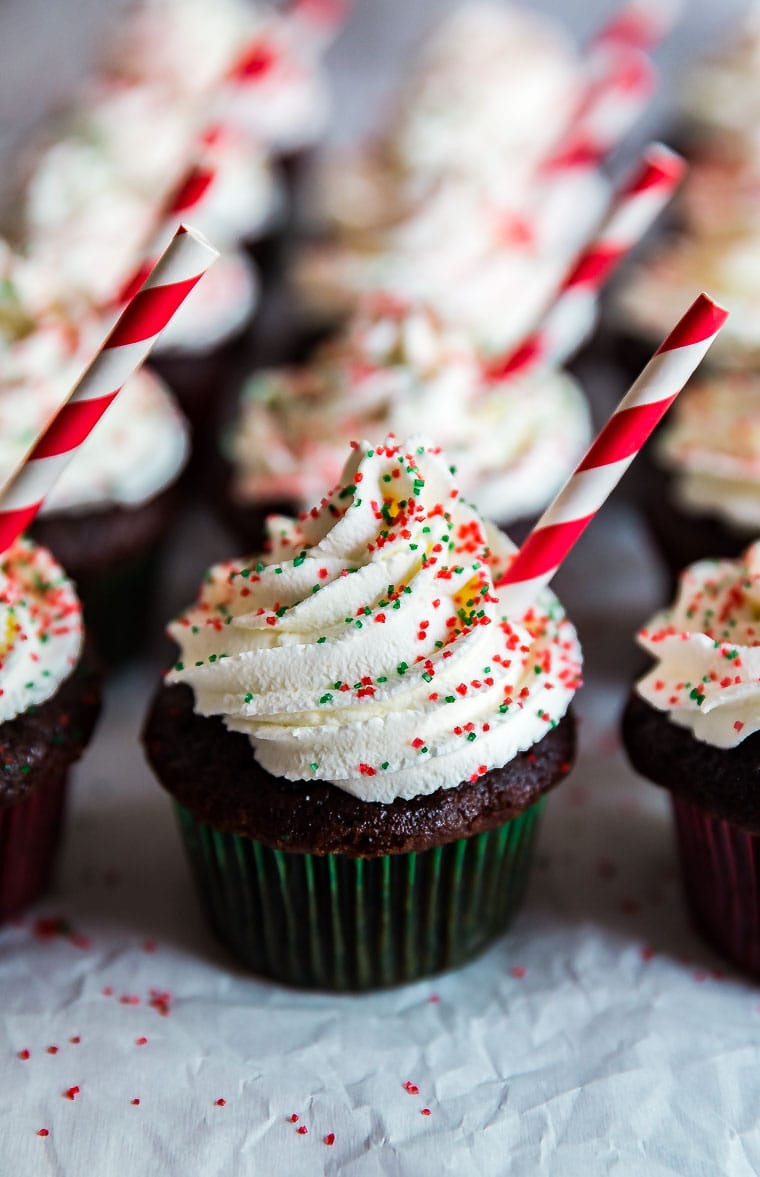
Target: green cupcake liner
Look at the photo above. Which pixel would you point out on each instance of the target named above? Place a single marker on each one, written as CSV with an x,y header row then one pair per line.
x,y
340,923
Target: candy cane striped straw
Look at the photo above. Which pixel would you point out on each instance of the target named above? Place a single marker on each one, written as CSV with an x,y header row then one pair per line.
x,y
185,197
642,24
610,455
631,213
174,275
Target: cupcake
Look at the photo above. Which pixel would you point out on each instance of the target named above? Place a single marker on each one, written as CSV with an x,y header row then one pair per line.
x,y
701,492
397,365
49,702
107,516
691,726
356,736
722,93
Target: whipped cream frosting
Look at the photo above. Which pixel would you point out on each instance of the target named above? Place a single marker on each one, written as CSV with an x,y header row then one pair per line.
x,y
370,648
494,83
398,369
40,628
487,266
723,92
216,309
711,443
707,651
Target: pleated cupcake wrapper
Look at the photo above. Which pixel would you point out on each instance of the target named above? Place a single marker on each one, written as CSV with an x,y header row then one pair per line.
x,y
341,923
29,835
721,868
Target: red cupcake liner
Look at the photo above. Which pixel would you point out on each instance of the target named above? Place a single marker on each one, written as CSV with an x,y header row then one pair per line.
x,y
29,834
721,870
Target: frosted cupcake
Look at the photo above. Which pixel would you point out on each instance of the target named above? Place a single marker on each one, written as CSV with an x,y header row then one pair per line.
x,y
702,491
722,94
691,726
49,702
357,737
396,369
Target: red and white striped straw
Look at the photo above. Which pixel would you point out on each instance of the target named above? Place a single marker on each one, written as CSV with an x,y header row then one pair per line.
x,y
641,24
631,213
182,264
183,199
621,83
610,455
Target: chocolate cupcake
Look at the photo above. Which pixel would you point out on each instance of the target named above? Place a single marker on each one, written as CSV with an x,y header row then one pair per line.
x,y
692,726
49,702
358,740
398,368
701,484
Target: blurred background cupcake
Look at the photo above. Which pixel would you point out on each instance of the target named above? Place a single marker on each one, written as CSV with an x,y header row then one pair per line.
x,y
395,369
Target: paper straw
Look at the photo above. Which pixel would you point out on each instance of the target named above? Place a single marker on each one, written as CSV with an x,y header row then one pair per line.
x,y
188,193
610,455
631,213
182,264
642,24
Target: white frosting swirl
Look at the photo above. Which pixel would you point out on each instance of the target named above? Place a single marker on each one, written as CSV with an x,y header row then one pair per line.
x,y
711,443
494,83
707,651
40,628
398,369
371,649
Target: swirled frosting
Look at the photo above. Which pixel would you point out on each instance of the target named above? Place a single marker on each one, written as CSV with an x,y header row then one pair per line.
x,y
40,628
707,651
717,249
467,255
398,369
370,648
711,443
723,93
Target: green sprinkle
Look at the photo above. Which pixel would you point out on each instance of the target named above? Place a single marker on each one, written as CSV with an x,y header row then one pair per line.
x,y
179,666
471,736
248,697
326,698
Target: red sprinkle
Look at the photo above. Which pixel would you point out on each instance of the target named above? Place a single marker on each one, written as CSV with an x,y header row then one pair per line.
x,y
52,1050
71,1092
302,1131
24,1055
43,1132
75,1040
330,1139
294,1118
426,1112
411,1088
141,1041
220,1103
134,1102
518,971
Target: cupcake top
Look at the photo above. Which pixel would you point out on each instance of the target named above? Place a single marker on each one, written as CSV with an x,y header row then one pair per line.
x,y
717,248
370,647
711,443
723,92
40,628
487,265
483,60
398,368
706,648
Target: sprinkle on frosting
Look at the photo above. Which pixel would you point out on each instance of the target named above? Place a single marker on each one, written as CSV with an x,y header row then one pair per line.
x,y
370,645
707,647
40,628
